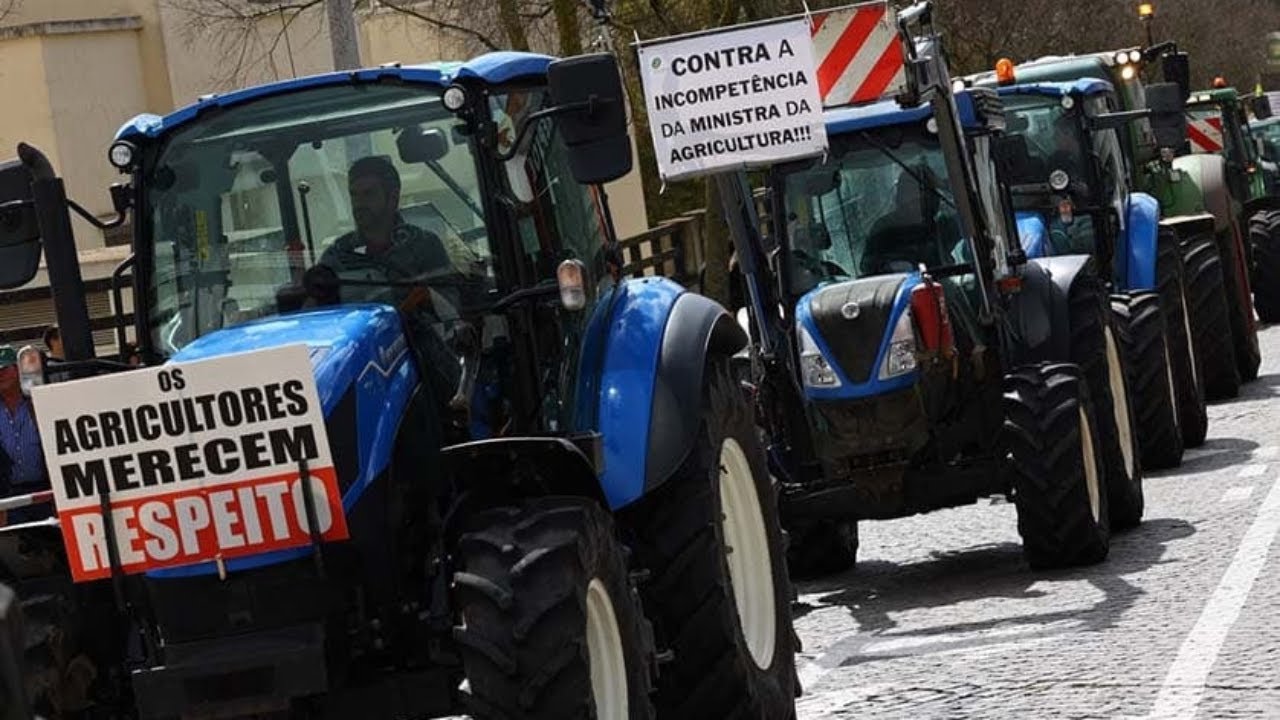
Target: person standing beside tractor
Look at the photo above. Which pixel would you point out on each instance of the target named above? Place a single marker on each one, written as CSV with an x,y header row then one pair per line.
x,y
22,466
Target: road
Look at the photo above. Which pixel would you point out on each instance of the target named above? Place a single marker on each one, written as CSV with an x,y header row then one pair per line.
x,y
943,619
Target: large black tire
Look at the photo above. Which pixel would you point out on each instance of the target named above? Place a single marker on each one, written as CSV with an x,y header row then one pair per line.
x,y
1096,349
1142,331
1244,331
1172,285
13,694
681,534
822,547
529,579
1210,318
1264,238
1055,466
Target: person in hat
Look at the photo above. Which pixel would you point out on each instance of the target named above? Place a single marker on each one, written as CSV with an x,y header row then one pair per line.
x,y
22,468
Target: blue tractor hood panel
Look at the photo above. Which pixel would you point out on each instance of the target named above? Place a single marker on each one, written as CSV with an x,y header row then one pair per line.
x,y
887,113
365,376
872,336
492,68
1083,86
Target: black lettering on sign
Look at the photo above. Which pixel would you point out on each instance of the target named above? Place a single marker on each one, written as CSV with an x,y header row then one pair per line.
x,y
188,457
148,422
63,437
171,379
155,467
291,445
297,400
87,432
122,470
83,480
171,418
255,410
229,409
220,456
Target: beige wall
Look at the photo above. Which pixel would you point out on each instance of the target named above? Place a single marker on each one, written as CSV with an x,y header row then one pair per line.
x,y
26,116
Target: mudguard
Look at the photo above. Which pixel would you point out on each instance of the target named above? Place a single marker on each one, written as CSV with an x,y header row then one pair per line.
x,y
1032,234
1040,313
1139,240
365,376
1187,226
1266,203
1208,173
650,383
564,467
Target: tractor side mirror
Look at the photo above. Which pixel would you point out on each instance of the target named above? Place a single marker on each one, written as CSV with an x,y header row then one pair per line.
x,y
1176,68
595,131
416,145
20,245
1168,119
1260,105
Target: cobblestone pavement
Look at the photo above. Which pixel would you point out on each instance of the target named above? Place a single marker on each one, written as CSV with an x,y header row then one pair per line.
x,y
943,619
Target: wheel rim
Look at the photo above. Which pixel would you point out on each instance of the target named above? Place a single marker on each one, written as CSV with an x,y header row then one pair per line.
x,y
1120,404
747,554
1191,343
1173,387
607,664
1090,467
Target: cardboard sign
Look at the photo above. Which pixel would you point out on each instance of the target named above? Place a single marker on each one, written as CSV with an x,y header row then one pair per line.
x,y
743,97
199,461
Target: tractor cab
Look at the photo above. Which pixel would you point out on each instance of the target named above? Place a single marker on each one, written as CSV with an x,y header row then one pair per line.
x,y
1218,124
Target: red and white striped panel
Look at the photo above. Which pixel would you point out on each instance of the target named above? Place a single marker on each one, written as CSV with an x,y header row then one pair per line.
x,y
859,54
1205,134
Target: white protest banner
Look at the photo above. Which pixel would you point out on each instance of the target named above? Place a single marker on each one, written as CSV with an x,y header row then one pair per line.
x,y
201,461
743,97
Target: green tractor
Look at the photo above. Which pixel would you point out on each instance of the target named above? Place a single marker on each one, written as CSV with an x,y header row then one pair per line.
x,y
1218,125
1195,204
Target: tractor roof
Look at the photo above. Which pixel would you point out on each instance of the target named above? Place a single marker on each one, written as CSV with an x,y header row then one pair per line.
x,y
1063,68
887,113
1085,86
492,68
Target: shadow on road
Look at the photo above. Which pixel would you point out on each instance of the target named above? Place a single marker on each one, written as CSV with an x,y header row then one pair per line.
x,y
1264,388
1215,454
876,591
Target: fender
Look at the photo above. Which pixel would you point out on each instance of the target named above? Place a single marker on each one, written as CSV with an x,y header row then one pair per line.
x,y
1041,311
1032,234
1139,239
1209,174
1189,226
650,383
564,467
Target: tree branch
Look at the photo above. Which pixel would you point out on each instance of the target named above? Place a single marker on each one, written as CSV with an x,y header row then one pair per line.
x,y
442,24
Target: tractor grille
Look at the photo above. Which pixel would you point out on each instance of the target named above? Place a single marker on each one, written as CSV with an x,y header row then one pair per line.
x,y
856,342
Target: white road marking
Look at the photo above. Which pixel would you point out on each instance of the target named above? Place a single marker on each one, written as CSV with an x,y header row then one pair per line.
x,y
1254,470
1184,685
1236,494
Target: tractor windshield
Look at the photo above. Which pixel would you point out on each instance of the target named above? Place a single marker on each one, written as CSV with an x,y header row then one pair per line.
x,y
376,182
1054,141
880,203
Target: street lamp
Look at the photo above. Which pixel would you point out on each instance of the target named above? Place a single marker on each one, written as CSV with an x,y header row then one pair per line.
x,y
1146,12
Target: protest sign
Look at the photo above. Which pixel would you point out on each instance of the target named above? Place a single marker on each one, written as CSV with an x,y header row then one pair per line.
x,y
742,97
199,461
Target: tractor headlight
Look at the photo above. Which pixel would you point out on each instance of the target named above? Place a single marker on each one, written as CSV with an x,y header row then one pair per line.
x,y
814,368
455,97
1068,102
122,154
1059,180
1128,72
1135,56
901,356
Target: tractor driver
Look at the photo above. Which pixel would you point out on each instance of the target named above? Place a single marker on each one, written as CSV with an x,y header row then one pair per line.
x,y
384,246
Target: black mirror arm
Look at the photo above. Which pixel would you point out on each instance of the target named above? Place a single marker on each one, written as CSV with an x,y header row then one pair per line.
x,y
589,105
1108,121
92,219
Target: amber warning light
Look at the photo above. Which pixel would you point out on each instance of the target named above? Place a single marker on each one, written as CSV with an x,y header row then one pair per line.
x,y
1004,71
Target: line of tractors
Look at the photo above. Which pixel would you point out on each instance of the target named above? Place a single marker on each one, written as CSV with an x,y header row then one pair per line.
x,y
582,495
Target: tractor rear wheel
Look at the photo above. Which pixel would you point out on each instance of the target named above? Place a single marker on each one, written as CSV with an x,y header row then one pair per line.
x,y
1244,330
822,547
1171,280
719,594
1141,327
1056,467
1096,349
551,625
1264,238
1210,318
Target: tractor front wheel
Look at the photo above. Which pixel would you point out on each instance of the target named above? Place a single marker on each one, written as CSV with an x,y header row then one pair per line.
x,y
551,626
1264,237
1055,466
719,594
1210,318
1140,325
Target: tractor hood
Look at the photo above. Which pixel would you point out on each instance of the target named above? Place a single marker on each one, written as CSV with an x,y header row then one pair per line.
x,y
344,342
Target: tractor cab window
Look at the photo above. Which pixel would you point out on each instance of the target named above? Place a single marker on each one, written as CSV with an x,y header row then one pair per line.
x,y
1054,142
373,182
878,204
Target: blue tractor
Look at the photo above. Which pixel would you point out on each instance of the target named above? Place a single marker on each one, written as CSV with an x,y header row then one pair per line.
x,y
908,355
1069,181
558,501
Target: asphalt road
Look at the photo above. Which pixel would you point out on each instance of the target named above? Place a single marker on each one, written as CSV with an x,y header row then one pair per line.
x,y
942,618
